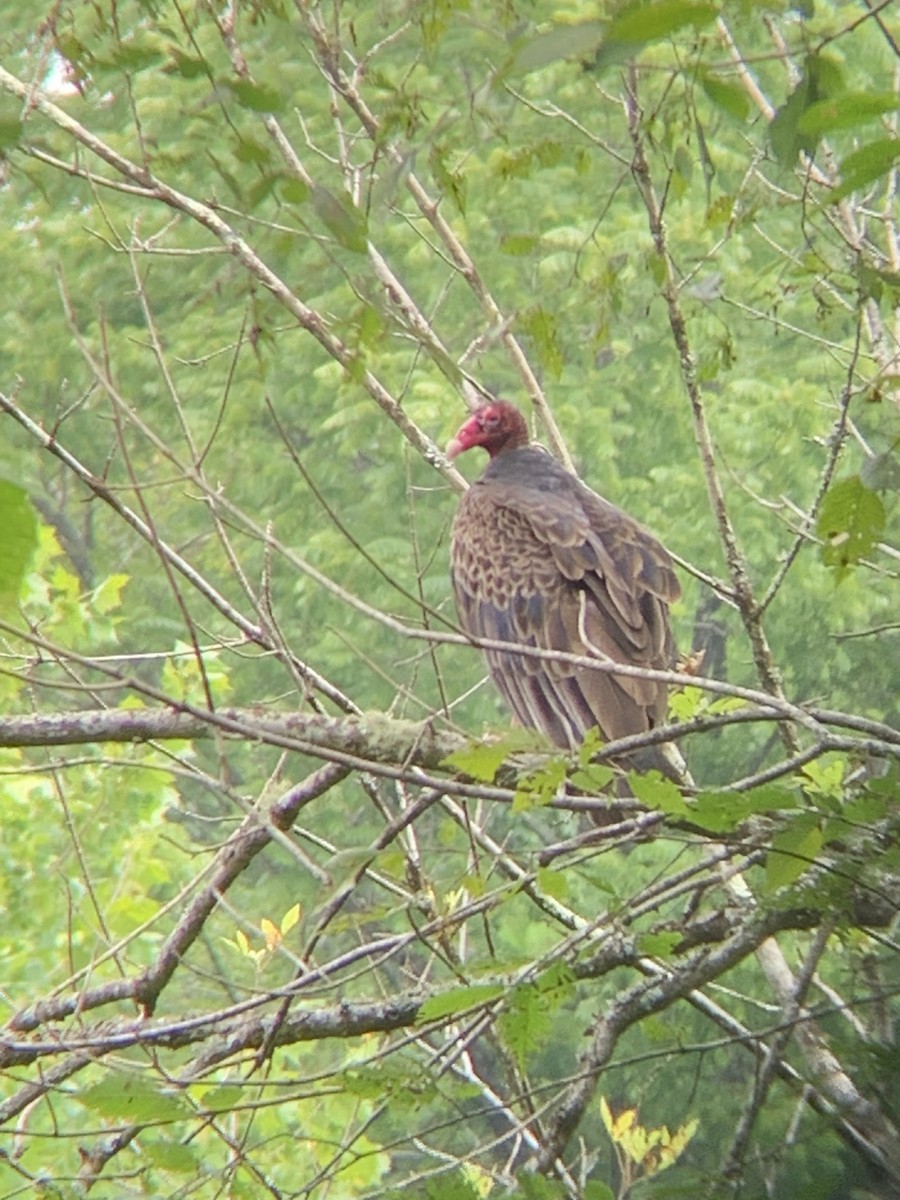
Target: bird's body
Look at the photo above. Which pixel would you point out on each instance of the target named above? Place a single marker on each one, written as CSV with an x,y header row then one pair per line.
x,y
540,560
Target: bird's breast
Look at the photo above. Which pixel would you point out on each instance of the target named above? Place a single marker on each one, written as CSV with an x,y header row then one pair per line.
x,y
497,557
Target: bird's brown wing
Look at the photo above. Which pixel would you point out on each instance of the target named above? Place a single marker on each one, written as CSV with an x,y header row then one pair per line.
x,y
564,570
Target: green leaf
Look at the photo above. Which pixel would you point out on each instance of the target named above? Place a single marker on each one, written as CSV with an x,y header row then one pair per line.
x,y
730,97
263,187
518,244
170,1156
10,132
451,181
650,20
524,1023
874,280
593,778
482,760
597,1190
527,1016
18,540
865,165
563,41
107,596
542,327
658,793
134,1099
342,218
455,1185
136,56
541,786
851,521
645,21
881,472
845,111
292,190
222,1099
185,65
553,883
539,1187
458,1000
821,80
658,945
255,96
397,1082
721,812
793,851
251,151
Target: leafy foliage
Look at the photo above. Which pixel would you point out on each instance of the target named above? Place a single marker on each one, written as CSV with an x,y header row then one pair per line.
x,y
329,927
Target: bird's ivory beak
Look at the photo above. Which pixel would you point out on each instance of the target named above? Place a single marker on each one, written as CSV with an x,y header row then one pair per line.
x,y
455,446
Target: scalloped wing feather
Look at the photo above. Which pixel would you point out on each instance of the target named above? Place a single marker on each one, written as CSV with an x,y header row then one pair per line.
x,y
556,567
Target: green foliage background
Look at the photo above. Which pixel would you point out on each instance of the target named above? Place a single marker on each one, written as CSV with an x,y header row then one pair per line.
x,y
143,344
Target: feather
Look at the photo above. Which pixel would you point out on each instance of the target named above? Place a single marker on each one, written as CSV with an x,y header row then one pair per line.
x,y
540,560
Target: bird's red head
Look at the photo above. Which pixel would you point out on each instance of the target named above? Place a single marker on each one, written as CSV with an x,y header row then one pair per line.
x,y
495,426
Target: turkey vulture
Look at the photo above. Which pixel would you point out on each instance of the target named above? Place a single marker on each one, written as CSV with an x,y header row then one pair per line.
x,y
539,559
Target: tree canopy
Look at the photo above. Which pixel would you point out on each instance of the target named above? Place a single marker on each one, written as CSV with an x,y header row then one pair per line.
x,y
292,907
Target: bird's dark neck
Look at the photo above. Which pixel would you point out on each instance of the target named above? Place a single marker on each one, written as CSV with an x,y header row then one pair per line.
x,y
528,465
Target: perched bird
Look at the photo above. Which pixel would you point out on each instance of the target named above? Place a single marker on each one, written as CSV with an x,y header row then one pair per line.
x,y
540,560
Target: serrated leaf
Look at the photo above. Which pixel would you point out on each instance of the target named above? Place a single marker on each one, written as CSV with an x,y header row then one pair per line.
x,y
553,883
793,851
529,1010
851,520
594,778
255,96
658,945
18,540
541,786
342,219
524,1023
658,793
458,1000
482,759
403,1086
134,1099
107,597
721,812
